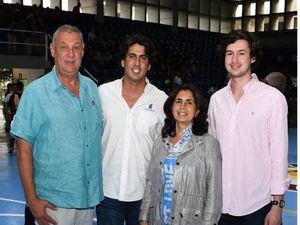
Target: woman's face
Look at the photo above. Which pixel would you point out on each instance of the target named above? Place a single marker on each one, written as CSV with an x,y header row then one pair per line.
x,y
184,108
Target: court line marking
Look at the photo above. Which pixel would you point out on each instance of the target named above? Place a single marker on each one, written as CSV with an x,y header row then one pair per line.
x,y
290,211
11,214
12,200
20,215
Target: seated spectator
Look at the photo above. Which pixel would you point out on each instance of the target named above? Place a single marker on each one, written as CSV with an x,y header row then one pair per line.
x,y
277,80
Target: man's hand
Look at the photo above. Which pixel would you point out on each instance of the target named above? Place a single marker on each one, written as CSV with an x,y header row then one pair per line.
x,y
38,208
274,216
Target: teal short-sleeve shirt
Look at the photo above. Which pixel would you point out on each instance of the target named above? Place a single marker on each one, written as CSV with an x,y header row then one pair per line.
x,y
65,132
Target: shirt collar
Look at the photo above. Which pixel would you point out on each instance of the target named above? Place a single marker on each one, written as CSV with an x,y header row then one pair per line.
x,y
248,87
56,83
147,88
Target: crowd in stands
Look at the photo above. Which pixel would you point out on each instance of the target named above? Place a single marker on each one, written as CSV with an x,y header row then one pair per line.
x,y
181,55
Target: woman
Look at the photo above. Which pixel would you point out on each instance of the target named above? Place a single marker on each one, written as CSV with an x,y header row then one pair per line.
x,y
183,185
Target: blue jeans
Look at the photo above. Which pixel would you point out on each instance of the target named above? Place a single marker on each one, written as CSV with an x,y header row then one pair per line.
x,y
114,212
255,218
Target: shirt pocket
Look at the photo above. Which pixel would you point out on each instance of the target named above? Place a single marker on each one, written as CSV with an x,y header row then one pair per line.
x,y
92,114
146,121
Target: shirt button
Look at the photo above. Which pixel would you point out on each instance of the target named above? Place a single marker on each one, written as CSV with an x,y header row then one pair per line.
x,y
177,163
172,217
88,182
87,146
88,164
84,128
175,191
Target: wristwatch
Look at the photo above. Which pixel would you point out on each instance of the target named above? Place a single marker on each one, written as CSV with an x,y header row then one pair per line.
x,y
279,203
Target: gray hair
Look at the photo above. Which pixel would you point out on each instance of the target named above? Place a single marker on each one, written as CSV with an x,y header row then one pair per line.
x,y
277,80
66,28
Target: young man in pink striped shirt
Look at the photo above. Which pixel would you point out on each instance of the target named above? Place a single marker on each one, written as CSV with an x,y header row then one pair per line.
x,y
249,119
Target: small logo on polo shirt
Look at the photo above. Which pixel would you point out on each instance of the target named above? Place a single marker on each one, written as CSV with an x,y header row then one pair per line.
x,y
150,108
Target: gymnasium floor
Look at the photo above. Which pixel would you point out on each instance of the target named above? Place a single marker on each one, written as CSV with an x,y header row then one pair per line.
x,y
12,198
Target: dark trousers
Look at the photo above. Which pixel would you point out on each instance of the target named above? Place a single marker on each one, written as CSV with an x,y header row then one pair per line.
x,y
29,218
255,218
113,212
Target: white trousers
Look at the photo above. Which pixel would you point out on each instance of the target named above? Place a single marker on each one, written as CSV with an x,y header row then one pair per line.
x,y
71,216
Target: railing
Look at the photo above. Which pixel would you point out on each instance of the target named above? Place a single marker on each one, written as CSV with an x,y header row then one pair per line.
x,y
23,42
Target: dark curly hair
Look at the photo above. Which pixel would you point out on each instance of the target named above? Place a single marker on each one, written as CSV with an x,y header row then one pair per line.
x,y
137,39
200,124
254,44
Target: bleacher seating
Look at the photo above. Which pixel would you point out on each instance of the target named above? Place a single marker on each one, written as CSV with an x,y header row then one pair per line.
x,y
178,50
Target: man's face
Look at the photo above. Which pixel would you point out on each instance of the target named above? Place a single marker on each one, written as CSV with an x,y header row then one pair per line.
x,y
238,60
136,63
67,52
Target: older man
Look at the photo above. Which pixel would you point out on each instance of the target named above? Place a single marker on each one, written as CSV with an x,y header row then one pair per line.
x,y
58,129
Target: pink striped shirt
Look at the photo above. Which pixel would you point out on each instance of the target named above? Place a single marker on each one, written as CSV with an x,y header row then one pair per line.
x,y
254,144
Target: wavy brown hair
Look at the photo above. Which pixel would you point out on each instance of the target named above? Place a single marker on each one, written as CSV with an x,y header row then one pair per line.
x,y
137,39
